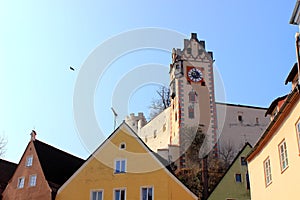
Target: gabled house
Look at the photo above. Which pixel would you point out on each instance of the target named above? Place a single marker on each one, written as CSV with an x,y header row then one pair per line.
x,y
234,185
40,172
7,169
121,168
274,161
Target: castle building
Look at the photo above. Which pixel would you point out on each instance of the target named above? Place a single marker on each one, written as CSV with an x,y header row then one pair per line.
x,y
193,108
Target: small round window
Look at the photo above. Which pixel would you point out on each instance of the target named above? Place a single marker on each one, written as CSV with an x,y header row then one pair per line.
x,y
122,146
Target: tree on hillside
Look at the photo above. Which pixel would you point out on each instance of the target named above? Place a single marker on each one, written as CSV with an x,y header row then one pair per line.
x,y
161,103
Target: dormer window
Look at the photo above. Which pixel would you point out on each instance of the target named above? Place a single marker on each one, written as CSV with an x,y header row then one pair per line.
x,y
29,160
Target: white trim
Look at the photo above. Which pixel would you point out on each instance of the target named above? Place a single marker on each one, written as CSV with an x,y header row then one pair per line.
x,y
236,176
130,132
121,188
21,177
146,186
26,162
164,167
122,143
29,181
115,165
96,190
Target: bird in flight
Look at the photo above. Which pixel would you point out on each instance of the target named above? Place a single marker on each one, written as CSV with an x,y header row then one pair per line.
x,y
71,68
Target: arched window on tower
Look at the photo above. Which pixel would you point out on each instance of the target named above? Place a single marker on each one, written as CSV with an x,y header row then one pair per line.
x,y
192,96
191,112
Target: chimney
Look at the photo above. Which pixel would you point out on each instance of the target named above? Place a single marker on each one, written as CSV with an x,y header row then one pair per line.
x,y
33,135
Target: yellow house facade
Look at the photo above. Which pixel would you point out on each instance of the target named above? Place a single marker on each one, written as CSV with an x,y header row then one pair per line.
x,y
123,167
274,162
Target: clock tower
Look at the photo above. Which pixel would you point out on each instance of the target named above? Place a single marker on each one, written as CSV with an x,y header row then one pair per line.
x,y
192,95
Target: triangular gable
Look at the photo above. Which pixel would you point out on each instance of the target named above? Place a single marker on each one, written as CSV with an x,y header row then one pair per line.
x,y
25,171
136,150
222,185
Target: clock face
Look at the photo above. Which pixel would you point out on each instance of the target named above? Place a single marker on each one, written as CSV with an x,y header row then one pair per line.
x,y
195,74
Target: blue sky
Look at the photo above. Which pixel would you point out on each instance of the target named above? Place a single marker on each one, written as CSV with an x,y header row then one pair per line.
x,y
252,41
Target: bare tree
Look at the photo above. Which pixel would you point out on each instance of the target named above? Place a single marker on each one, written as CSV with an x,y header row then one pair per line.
x,y
227,153
3,143
161,103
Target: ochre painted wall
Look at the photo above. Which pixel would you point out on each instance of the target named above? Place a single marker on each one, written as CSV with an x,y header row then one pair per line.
x,y
142,170
285,185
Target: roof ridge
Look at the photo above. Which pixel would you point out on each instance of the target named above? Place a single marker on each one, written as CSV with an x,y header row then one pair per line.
x,y
50,146
241,105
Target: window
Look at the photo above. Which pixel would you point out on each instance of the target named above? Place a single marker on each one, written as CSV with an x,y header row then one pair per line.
x,y
191,112
267,169
192,96
29,160
32,180
147,193
154,134
120,194
238,178
97,195
283,155
120,166
298,132
240,118
122,146
21,182
243,161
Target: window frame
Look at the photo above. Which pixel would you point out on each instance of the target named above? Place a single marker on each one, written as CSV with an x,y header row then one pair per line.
x,y
120,189
122,146
243,161
241,177
285,154
97,190
30,180
23,183
147,187
29,161
267,171
120,171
